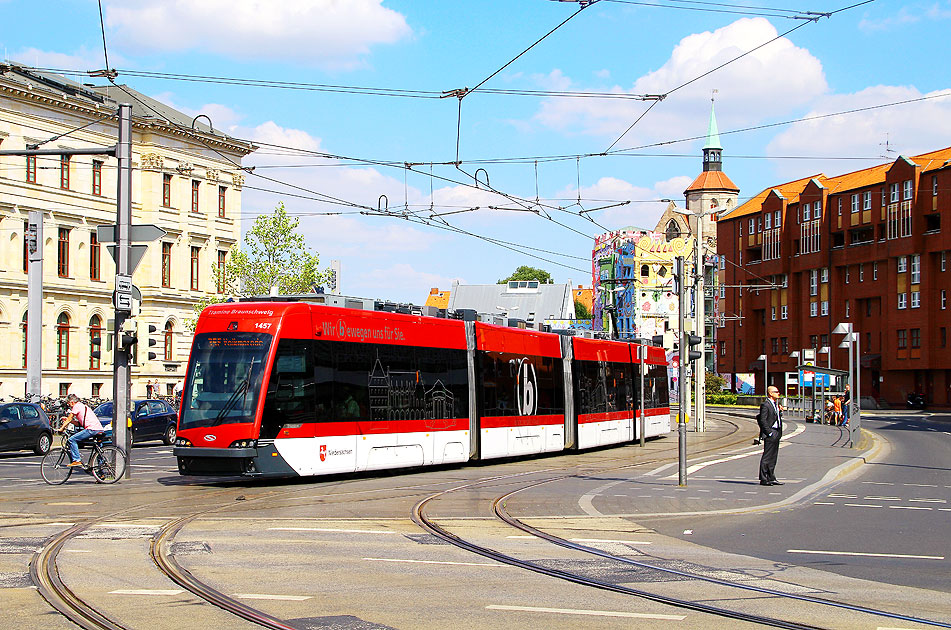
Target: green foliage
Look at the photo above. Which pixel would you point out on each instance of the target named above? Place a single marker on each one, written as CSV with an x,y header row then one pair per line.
x,y
713,383
581,311
722,398
529,273
274,254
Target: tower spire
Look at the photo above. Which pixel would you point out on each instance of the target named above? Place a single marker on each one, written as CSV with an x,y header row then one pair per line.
x,y
712,149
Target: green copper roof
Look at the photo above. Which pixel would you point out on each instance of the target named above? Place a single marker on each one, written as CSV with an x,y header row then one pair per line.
x,y
713,134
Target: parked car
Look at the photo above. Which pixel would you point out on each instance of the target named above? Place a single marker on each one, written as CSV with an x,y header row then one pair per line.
x,y
151,420
24,425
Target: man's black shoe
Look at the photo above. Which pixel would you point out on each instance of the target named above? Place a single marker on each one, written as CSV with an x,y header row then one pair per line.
x,y
755,441
776,483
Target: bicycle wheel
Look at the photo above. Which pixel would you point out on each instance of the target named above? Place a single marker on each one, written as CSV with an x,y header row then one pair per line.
x,y
55,466
108,466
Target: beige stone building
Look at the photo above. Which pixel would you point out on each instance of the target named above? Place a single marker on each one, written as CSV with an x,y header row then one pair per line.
x,y
186,179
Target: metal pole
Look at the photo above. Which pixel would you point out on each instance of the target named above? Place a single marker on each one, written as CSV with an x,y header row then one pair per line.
x,y
642,352
851,380
122,381
701,366
34,318
856,399
682,378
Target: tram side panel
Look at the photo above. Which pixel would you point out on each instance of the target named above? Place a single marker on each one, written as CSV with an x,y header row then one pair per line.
x,y
521,392
656,393
604,391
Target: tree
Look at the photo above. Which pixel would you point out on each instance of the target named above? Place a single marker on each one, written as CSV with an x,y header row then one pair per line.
x,y
581,311
274,254
713,383
529,273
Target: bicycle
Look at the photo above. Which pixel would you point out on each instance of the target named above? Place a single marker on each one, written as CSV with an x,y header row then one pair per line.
x,y
106,463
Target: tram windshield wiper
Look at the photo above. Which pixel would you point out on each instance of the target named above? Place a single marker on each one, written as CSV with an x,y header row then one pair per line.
x,y
241,390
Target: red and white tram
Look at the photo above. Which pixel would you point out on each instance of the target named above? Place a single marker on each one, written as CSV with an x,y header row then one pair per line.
x,y
293,388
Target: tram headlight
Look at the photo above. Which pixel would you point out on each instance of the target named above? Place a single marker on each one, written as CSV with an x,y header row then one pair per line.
x,y
182,442
244,444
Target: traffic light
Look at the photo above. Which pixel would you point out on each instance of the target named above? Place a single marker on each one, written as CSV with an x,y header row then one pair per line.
x,y
128,339
693,340
97,342
152,342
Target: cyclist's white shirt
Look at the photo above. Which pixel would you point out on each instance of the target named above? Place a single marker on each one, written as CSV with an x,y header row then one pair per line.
x,y
87,419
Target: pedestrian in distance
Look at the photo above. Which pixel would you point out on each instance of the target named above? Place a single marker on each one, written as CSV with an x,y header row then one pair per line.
x,y
770,421
846,399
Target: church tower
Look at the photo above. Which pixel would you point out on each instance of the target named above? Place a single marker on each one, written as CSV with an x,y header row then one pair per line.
x,y
712,191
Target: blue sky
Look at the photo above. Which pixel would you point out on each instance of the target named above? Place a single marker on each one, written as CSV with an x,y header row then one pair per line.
x,y
876,54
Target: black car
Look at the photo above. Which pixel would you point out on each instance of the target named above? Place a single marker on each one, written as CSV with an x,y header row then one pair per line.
x,y
24,425
151,420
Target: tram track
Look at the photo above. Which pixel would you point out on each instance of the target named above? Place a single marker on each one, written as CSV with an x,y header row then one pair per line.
x,y
45,574
498,507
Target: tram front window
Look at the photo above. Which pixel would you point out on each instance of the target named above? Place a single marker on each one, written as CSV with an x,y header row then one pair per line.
x,y
224,378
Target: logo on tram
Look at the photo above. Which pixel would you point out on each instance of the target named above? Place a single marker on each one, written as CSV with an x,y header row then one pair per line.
x,y
526,387
323,452
210,438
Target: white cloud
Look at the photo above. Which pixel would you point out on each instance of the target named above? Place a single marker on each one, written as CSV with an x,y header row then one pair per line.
x,y
774,79
223,118
404,279
329,33
82,60
909,129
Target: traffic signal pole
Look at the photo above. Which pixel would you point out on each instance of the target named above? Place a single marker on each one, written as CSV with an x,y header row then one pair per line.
x,y
122,381
682,386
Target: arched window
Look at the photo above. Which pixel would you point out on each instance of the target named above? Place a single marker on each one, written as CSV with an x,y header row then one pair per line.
x,y
645,271
168,341
95,341
24,338
673,230
62,342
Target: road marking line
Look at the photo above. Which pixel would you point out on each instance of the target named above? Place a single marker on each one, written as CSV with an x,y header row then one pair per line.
x,y
927,500
599,540
843,496
863,505
921,485
659,469
328,529
71,503
858,553
283,598
461,564
908,507
880,483
944,509
882,498
822,503
145,591
595,613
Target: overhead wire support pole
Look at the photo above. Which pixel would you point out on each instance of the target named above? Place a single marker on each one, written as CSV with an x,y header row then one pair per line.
x,y
121,382
682,387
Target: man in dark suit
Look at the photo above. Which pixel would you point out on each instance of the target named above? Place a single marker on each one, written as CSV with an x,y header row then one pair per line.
x,y
770,422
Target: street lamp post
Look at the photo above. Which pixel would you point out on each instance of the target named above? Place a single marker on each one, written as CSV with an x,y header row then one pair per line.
x,y
852,339
763,358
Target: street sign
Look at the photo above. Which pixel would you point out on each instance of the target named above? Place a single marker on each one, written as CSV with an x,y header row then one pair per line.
x,y
137,233
136,252
122,298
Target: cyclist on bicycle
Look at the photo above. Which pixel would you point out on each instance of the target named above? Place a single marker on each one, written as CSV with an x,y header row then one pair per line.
x,y
82,416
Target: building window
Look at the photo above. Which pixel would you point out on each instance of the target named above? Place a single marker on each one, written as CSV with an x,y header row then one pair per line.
x,y
62,253
915,337
813,282
825,275
194,269
96,390
944,299
847,309
778,218
64,172
847,274
168,341
813,309
752,227
195,186
64,389
784,312
166,265
166,190
855,203
907,189
825,308
94,253
902,339
814,341
769,221
875,270
722,348
894,198
772,313
26,247
840,206
916,268
221,201
722,292
95,335
817,210
862,272
23,326
222,255
805,211
934,185
774,345
902,264
31,169
759,224
867,200
944,261
902,301
785,345
62,342
740,224
915,299
97,177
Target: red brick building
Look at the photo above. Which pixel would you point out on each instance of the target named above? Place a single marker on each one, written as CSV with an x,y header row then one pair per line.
x,y
871,247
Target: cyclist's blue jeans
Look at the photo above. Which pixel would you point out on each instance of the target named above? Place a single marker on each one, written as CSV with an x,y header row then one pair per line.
x,y
74,440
